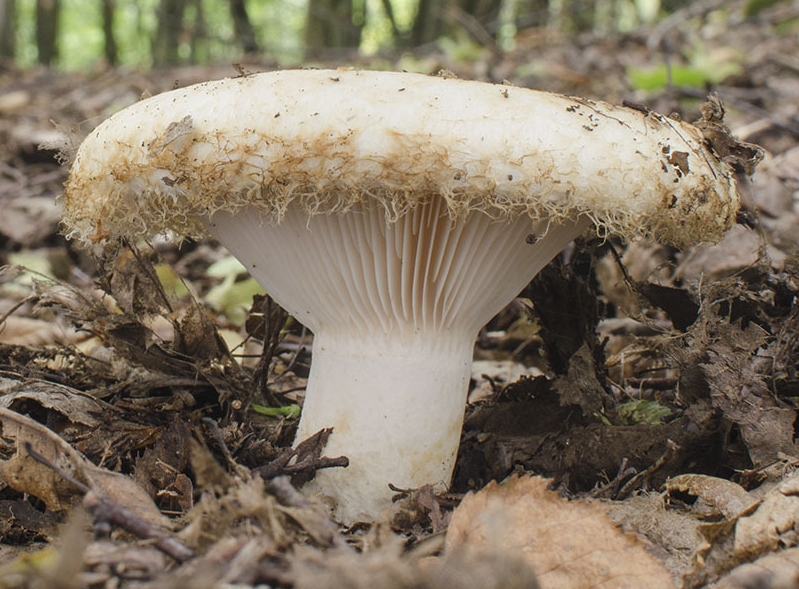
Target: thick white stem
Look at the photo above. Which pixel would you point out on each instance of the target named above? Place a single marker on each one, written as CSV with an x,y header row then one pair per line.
x,y
396,408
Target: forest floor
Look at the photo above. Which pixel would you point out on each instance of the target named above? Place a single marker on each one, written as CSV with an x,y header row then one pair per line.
x,y
661,407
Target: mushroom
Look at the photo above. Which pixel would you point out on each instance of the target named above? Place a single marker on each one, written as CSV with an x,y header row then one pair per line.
x,y
393,214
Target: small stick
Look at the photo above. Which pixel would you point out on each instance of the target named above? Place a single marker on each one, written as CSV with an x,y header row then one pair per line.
x,y
105,511
214,427
307,460
671,450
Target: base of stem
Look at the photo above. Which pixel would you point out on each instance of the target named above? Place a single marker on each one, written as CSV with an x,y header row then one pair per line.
x,y
396,410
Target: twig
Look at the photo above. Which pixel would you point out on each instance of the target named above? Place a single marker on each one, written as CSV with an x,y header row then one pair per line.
x,y
80,485
671,450
147,268
220,441
14,308
610,489
104,512
307,459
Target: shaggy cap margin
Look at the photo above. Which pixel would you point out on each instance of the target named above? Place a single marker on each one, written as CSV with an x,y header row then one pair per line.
x,y
332,140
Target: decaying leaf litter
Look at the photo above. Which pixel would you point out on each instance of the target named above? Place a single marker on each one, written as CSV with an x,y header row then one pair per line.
x,y
640,366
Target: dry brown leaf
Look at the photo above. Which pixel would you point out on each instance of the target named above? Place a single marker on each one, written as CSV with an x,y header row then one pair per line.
x,y
775,571
714,495
672,531
26,331
773,525
570,544
770,433
26,475
221,515
388,566
770,527
78,407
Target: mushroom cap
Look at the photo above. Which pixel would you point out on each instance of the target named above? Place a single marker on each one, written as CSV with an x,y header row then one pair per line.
x,y
330,140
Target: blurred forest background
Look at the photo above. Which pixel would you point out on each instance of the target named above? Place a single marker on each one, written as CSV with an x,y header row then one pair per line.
x,y
84,34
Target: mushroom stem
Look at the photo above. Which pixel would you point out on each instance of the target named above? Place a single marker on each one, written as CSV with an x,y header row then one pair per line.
x,y
396,408
395,307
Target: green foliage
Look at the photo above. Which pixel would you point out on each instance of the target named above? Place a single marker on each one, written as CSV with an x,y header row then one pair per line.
x,y
755,7
25,29
170,281
643,412
22,270
207,33
377,32
290,411
278,27
703,68
232,297
788,26
81,39
461,48
657,77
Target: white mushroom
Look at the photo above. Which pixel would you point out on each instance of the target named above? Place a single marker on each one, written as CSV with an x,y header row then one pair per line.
x,y
393,214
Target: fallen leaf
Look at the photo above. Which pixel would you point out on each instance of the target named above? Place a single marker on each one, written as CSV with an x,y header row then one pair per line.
x,y
569,544
772,525
25,331
387,566
768,528
716,496
78,407
24,474
780,570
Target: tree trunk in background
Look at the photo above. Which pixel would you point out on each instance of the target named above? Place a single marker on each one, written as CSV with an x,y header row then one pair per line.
x,y
330,26
388,8
532,13
245,34
199,37
434,18
47,31
671,6
109,40
167,35
428,25
581,14
486,12
7,37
